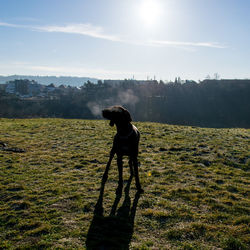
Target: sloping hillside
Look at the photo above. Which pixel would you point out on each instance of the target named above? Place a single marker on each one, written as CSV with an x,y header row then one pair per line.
x,y
196,183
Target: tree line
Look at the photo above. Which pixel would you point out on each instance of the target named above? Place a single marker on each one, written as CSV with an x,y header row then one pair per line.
x,y
210,103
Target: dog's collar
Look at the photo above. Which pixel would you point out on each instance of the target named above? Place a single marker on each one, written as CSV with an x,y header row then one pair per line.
x,y
128,135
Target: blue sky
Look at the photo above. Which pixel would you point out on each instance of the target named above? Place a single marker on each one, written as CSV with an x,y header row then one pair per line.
x,y
117,39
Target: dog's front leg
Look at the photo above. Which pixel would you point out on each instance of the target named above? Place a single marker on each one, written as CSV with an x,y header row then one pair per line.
x,y
131,167
111,156
105,175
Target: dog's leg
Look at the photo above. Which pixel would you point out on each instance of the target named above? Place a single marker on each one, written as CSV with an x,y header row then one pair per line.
x,y
105,175
119,164
131,167
137,181
111,156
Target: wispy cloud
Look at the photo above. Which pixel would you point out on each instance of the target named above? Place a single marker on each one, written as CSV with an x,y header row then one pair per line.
x,y
99,33
187,44
85,29
11,25
81,29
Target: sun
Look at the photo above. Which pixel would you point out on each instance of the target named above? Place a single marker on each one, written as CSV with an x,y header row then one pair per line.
x,y
150,12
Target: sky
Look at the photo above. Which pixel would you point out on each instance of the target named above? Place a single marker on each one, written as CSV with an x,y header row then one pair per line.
x,y
125,39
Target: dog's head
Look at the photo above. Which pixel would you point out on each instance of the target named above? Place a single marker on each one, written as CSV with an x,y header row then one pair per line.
x,y
117,115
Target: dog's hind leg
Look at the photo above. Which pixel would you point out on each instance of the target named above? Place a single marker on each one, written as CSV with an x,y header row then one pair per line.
x,y
119,164
137,181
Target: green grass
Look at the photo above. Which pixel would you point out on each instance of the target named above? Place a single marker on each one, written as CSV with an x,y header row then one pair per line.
x,y
196,183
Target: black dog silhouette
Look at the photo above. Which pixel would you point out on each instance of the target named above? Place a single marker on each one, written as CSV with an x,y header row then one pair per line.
x,y
126,142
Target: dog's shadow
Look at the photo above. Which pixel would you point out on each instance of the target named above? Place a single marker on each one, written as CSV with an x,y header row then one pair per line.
x,y
114,231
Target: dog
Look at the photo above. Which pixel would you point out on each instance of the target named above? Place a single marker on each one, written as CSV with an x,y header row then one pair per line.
x,y
126,142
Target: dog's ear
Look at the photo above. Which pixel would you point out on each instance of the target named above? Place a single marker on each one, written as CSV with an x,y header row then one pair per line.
x,y
127,115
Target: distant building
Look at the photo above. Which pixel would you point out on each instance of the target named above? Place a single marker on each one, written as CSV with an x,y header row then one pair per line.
x,y
147,82
24,88
35,89
117,82
10,88
112,82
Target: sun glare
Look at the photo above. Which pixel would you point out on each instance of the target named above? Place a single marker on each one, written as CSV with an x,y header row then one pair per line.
x,y
150,12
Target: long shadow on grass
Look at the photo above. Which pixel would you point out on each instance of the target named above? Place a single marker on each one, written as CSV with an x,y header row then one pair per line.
x,y
114,231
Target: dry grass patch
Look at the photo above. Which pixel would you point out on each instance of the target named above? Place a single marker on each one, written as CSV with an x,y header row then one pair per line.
x,y
196,183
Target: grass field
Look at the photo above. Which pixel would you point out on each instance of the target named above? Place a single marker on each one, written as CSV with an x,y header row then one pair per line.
x,y
196,183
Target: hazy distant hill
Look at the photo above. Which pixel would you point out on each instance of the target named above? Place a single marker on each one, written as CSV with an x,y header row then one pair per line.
x,y
66,80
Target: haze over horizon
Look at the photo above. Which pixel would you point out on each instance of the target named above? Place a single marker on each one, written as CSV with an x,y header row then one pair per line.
x,y
125,39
